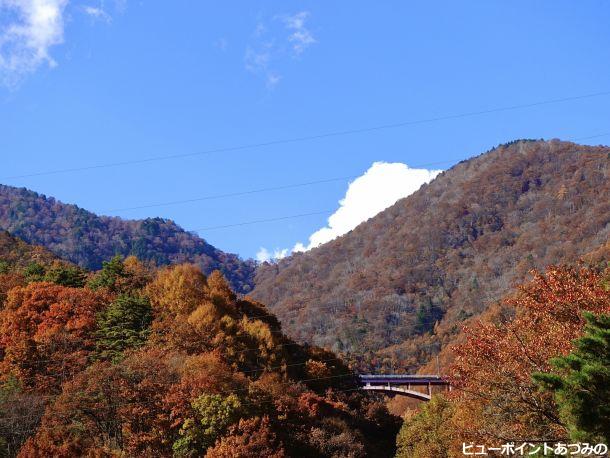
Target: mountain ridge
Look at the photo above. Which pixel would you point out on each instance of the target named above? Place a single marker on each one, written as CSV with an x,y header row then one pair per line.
x,y
487,222
86,239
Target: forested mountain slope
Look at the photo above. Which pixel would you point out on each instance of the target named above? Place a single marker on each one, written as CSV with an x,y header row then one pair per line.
x,y
397,288
87,239
17,253
137,361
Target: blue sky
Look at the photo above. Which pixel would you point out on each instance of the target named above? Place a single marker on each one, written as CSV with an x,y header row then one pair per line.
x,y
117,81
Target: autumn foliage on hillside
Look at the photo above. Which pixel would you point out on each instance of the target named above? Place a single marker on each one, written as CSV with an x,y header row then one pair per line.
x,y
87,239
497,396
143,362
21,263
398,288
16,253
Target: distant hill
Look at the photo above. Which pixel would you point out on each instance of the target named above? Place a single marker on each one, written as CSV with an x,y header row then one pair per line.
x,y
397,288
87,239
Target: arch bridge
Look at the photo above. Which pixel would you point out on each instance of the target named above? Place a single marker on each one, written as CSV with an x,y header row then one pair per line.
x,y
403,384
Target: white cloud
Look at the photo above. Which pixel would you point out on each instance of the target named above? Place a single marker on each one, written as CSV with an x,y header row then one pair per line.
x,y
257,61
29,30
273,41
120,6
380,187
300,37
97,13
264,255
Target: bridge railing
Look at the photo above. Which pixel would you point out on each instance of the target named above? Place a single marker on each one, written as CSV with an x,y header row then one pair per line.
x,y
402,384
403,379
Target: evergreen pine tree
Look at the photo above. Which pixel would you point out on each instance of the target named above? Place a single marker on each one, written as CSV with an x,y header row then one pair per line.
x,y
582,384
112,271
123,324
66,275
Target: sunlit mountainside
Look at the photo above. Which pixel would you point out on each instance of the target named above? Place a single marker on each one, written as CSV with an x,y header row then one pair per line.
x,y
397,288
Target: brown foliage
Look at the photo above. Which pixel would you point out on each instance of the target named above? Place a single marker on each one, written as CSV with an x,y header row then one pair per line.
x,y
47,333
178,289
17,253
448,251
168,395
250,438
496,395
108,409
87,239
9,281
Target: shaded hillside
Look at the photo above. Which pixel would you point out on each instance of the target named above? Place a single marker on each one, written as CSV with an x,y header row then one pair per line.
x,y
396,288
15,253
88,239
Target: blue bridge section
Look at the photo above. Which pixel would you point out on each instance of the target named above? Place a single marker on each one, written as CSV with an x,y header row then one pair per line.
x,y
404,385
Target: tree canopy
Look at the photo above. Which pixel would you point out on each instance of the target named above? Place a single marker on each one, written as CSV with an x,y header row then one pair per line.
x,y
139,361
581,385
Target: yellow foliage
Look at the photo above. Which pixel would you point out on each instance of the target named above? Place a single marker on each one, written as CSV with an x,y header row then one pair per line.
x,y
259,330
430,432
205,318
180,289
220,291
317,369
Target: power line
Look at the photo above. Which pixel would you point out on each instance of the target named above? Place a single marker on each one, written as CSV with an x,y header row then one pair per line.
x,y
248,371
331,134
328,212
251,318
269,220
232,194
590,136
282,187
279,333
260,190
224,392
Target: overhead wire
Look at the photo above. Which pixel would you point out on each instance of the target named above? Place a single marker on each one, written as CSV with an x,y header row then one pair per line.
x,y
330,134
257,191
282,187
226,393
300,184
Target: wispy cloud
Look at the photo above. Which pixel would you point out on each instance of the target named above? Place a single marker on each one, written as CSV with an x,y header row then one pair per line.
x,y
377,189
97,13
28,31
258,61
300,36
274,40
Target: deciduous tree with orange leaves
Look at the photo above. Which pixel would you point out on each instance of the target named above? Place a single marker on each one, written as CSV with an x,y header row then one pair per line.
x,y
178,366
493,370
47,332
495,398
